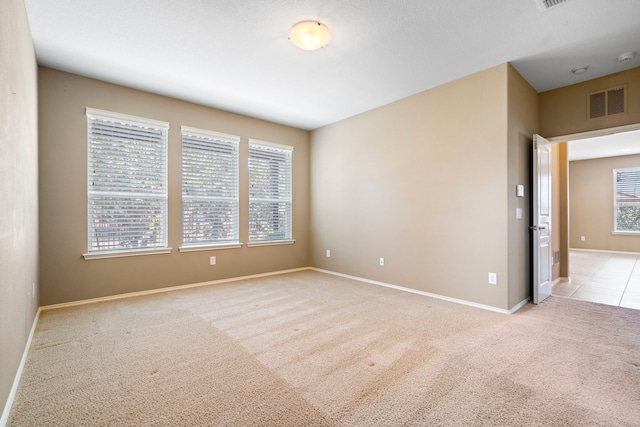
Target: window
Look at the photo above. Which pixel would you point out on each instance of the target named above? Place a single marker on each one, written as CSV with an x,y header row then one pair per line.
x,y
626,200
127,183
209,188
269,192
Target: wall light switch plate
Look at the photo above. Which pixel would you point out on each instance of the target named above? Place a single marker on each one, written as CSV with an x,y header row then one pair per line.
x,y
381,261
328,253
212,260
520,190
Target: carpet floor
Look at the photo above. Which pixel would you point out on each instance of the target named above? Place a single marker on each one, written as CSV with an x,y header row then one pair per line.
x,y
311,349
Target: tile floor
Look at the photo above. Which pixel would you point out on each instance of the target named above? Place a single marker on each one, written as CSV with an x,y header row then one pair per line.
x,y
603,277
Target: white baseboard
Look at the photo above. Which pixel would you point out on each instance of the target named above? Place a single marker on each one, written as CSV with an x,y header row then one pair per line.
x,y
518,306
428,294
560,279
604,251
16,380
273,273
168,289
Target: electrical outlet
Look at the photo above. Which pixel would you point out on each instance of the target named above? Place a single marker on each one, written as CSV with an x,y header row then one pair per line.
x,y
493,279
381,261
583,238
328,253
212,260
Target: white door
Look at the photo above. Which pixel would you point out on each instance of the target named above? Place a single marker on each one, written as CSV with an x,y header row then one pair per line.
x,y
541,228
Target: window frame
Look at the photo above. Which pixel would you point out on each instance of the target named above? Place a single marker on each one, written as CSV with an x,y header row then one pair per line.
x,y
233,140
616,203
127,121
288,154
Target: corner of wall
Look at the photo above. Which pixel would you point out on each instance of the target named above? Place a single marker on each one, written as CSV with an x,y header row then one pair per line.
x,y
523,123
377,191
18,190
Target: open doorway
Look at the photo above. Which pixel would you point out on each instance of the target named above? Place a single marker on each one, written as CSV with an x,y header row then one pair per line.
x,y
599,259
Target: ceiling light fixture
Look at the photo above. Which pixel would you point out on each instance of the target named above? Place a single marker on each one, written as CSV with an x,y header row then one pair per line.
x,y
580,70
310,35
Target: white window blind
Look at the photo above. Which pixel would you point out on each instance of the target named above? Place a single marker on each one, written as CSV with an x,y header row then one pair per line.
x,y
127,182
209,188
626,183
270,208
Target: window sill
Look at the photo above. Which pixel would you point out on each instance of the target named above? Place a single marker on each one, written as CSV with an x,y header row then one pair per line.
x,y
121,254
271,243
209,247
626,233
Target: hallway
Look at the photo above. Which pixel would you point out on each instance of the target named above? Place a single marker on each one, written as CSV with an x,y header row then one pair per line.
x,y
603,277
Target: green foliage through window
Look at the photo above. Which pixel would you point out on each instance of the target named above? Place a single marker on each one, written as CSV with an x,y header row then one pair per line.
x,y
209,188
270,207
126,182
627,199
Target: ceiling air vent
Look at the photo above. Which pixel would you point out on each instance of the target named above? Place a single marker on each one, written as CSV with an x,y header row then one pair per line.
x,y
607,102
548,4
615,101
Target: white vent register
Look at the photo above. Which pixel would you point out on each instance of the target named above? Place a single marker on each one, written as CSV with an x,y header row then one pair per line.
x,y
548,4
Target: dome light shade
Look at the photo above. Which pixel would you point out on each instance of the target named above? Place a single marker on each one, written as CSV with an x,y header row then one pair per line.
x,y
580,70
310,35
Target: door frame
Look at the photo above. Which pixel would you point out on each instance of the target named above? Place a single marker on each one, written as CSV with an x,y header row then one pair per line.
x,y
592,133
572,137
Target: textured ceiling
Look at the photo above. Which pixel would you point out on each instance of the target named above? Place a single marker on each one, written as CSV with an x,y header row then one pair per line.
x,y
234,54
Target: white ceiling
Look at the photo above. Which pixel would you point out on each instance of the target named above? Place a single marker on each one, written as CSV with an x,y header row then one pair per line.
x,y
618,144
234,54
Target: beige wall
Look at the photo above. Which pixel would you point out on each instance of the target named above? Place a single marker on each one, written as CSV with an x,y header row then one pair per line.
x,y
591,195
65,275
564,111
523,123
423,182
555,207
561,224
560,209
18,189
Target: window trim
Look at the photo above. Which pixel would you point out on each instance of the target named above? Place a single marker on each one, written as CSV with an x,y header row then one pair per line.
x,y
209,245
141,121
273,145
615,204
122,254
271,242
94,113
290,238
